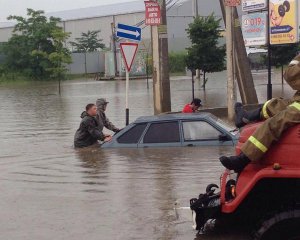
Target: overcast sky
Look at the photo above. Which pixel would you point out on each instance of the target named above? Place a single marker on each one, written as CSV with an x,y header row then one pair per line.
x,y
18,7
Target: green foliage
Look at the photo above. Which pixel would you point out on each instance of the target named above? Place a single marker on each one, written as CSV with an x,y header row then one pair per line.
x,y
34,42
205,53
177,62
60,57
88,42
283,54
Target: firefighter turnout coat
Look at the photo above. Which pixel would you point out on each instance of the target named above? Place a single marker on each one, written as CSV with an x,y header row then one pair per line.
x,y
280,114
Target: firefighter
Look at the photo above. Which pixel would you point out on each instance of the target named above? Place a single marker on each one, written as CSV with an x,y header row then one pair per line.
x,y
279,114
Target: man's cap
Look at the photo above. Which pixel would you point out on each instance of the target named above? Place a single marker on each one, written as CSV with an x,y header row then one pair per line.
x,y
102,101
197,102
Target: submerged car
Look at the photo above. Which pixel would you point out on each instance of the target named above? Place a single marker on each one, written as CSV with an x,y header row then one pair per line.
x,y
175,130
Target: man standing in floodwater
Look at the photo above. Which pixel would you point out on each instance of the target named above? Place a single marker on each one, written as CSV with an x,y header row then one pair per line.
x,y
103,121
193,106
88,132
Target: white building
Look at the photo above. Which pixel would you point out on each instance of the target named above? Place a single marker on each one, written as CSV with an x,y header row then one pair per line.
x,y
180,13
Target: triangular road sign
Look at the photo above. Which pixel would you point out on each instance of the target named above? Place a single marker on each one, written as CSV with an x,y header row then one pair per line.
x,y
128,52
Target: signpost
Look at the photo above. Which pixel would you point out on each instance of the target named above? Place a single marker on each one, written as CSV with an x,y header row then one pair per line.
x,y
128,51
152,13
253,5
254,27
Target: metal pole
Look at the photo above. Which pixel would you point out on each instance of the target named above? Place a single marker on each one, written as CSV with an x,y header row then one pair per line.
x,y
196,14
269,86
282,75
59,89
85,67
193,87
126,101
147,70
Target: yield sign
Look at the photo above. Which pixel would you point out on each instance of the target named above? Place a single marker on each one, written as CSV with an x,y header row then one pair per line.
x,y
128,52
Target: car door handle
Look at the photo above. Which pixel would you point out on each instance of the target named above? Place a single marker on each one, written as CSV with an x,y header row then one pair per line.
x,y
190,145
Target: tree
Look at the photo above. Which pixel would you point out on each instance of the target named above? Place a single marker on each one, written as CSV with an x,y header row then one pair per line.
x,y
35,39
283,54
205,52
60,57
88,42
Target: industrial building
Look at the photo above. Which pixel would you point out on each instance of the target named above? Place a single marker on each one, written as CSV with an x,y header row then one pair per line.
x,y
180,13
104,18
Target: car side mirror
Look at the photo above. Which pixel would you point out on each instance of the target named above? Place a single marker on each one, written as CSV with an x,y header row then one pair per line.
x,y
223,137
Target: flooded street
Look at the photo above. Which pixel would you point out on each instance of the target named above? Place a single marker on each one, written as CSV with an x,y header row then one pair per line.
x,y
49,190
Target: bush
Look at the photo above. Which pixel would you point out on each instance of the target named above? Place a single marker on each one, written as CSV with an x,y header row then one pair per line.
x,y
177,62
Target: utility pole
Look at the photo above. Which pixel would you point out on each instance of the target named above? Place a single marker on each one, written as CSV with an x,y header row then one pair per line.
x,y
231,92
114,48
161,78
243,71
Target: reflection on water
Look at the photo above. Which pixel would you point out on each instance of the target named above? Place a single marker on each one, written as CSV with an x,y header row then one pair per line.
x,y
51,191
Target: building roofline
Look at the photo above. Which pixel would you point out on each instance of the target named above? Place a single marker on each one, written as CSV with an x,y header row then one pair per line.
x,y
70,15
102,16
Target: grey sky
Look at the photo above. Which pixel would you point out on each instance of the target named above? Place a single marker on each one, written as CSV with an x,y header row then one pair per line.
x,y
18,7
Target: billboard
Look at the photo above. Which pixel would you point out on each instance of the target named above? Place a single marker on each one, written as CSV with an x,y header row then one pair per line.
x,y
283,22
253,5
254,29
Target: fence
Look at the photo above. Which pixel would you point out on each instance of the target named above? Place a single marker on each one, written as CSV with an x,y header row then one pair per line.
x,y
91,62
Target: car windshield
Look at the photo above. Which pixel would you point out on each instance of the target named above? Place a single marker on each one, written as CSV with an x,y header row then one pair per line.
x,y
227,127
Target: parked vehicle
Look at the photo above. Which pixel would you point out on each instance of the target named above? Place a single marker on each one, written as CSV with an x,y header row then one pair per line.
x,y
175,130
264,198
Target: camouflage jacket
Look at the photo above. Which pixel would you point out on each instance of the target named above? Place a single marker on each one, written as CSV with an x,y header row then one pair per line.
x,y
103,121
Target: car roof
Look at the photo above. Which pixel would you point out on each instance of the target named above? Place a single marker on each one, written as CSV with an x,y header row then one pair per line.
x,y
175,116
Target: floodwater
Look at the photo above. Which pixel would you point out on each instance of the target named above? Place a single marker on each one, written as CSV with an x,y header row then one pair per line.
x,y
49,190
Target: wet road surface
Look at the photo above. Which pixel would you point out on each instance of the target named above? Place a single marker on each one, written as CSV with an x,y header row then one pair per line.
x,y
51,191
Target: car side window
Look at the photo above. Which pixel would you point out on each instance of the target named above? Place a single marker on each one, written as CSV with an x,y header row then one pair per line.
x,y
199,130
133,135
165,132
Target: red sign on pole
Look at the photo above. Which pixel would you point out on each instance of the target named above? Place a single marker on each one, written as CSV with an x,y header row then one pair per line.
x,y
232,3
152,12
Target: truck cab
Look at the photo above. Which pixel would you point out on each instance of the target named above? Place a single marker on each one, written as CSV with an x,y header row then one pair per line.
x,y
264,198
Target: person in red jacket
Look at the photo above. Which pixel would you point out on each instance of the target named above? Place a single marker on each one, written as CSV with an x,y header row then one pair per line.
x,y
193,106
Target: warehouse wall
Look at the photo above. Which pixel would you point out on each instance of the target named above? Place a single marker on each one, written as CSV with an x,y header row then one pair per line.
x,y
178,19
93,62
76,27
5,33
